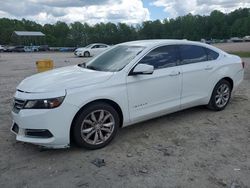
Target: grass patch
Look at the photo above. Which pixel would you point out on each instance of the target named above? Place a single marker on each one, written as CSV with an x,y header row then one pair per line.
x,y
241,54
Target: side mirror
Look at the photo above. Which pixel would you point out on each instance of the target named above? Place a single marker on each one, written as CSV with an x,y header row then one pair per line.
x,y
83,65
142,69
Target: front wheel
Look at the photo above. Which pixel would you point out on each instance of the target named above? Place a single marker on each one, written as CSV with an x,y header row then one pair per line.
x,y
86,54
221,95
96,126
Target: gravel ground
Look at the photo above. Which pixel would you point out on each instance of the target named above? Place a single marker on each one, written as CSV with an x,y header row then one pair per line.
x,y
234,47
191,148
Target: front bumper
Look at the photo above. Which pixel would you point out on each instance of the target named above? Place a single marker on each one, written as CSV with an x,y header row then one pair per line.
x,y
78,53
45,127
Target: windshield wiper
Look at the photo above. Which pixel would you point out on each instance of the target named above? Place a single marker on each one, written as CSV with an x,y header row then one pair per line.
x,y
91,67
83,65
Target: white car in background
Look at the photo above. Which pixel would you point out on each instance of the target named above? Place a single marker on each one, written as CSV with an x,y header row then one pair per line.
x,y
91,50
246,38
1,48
129,83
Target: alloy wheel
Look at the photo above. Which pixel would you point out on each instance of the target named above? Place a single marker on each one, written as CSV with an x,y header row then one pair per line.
x,y
97,127
222,95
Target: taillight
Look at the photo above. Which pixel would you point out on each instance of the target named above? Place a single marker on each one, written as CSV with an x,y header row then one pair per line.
x,y
243,64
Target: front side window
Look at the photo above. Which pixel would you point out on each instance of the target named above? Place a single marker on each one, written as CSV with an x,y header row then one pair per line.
x,y
161,57
192,54
95,46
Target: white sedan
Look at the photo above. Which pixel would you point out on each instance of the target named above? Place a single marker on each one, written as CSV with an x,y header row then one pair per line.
x,y
129,83
1,48
91,50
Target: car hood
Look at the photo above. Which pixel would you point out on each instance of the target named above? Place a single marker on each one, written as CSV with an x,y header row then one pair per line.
x,y
80,49
62,78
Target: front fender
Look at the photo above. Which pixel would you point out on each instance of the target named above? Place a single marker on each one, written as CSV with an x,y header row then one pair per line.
x,y
83,96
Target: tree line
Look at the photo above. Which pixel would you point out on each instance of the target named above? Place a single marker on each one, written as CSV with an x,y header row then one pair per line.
x,y
217,25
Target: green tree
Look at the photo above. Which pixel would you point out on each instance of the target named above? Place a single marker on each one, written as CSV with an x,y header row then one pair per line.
x,y
217,25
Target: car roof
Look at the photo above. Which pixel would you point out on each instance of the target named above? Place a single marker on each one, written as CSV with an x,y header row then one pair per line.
x,y
98,44
157,42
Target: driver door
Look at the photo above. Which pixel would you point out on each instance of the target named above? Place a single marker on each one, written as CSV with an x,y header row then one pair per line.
x,y
158,93
95,50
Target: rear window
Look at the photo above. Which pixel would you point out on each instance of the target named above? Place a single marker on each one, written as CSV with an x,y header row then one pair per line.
x,y
192,54
211,55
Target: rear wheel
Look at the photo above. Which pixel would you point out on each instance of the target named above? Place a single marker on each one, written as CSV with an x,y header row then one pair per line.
x,y
221,95
86,54
96,126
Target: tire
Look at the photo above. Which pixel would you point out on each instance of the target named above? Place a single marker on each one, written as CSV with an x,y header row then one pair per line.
x,y
86,54
221,96
91,130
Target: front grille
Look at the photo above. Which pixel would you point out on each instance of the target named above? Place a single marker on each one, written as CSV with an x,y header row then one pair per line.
x,y
18,105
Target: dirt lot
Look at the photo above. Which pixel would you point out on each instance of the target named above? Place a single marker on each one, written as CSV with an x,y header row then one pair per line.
x,y
191,148
234,47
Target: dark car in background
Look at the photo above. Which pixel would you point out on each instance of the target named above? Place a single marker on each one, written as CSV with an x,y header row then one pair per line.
x,y
18,49
43,48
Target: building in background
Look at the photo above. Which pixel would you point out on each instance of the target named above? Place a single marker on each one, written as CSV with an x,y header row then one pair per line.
x,y
28,38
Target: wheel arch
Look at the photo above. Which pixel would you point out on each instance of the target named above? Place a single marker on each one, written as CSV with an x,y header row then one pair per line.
x,y
227,78
86,51
230,80
108,101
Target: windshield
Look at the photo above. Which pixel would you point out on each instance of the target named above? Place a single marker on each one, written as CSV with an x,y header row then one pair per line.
x,y
88,46
115,59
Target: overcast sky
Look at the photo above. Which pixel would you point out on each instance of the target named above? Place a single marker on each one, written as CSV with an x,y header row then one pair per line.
x,y
126,11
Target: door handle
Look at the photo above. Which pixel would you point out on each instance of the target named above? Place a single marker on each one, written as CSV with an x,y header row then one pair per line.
x,y
208,68
175,73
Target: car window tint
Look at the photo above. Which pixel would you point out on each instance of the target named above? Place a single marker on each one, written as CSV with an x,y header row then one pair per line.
x,y
211,55
102,46
192,54
161,57
95,46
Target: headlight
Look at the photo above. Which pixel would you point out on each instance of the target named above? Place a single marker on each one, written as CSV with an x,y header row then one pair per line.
x,y
43,103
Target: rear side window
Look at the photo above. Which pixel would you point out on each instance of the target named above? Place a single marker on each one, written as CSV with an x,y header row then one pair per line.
x,y
192,54
211,55
161,57
102,46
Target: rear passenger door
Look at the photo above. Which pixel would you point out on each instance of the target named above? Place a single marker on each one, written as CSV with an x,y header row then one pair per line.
x,y
197,69
102,48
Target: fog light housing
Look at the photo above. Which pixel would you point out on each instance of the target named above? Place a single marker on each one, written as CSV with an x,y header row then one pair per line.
x,y
38,133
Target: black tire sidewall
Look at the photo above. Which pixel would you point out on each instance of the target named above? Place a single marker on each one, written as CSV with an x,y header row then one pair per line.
x,y
77,126
212,104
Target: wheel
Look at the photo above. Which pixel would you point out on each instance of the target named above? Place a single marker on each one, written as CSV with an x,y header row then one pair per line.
x,y
86,54
220,96
96,126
